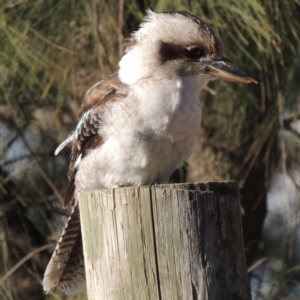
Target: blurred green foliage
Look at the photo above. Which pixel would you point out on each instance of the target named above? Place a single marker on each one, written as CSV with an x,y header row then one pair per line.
x,y
52,51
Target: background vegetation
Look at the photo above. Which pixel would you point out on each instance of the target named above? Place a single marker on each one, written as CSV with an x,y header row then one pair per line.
x,y
52,51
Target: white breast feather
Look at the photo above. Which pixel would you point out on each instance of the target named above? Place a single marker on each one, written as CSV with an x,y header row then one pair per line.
x,y
146,136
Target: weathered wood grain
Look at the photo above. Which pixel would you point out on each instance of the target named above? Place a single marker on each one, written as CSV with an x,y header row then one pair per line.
x,y
179,241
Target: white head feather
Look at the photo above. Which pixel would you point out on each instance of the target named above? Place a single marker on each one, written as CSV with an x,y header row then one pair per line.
x,y
141,60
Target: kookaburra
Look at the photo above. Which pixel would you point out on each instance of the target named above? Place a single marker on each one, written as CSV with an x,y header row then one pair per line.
x,y
141,123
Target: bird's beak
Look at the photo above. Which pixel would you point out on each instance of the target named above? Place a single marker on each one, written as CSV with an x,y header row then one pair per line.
x,y
227,70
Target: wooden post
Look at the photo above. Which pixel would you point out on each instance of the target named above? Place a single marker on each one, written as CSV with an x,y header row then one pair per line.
x,y
176,241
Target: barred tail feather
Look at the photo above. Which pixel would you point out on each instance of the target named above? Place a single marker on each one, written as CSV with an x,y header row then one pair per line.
x,y
66,267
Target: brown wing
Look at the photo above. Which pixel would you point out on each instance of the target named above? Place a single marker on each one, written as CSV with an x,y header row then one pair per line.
x,y
66,267
101,92
86,135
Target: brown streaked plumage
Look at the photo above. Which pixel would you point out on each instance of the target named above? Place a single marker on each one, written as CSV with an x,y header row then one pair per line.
x,y
95,101
66,268
101,92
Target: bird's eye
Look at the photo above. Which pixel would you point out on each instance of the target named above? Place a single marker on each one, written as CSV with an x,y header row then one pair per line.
x,y
194,52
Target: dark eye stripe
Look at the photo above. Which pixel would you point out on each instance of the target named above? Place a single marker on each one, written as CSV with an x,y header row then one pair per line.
x,y
170,51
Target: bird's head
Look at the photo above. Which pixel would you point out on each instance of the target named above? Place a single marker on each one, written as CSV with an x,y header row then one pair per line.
x,y
176,42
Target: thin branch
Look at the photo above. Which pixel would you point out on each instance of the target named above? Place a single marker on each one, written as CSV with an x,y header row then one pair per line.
x,y
120,26
292,177
14,5
282,142
54,45
239,34
256,264
23,260
36,160
210,90
2,188
11,141
18,171
17,159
